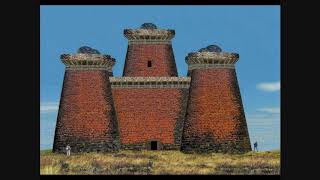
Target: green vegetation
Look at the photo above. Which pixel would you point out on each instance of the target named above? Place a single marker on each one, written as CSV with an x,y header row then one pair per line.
x,y
160,162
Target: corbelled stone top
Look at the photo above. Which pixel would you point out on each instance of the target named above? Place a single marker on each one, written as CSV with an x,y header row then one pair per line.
x,y
211,56
149,32
195,57
87,57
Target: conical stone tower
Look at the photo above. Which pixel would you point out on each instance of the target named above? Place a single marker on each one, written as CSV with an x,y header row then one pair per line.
x,y
215,120
86,118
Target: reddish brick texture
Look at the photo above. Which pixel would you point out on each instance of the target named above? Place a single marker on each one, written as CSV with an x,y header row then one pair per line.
x,y
215,120
86,119
160,55
150,114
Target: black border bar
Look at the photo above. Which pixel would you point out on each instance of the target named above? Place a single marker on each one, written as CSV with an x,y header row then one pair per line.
x,y
160,2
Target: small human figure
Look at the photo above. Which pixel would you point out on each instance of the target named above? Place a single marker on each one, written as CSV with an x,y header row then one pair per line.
x,y
68,149
255,146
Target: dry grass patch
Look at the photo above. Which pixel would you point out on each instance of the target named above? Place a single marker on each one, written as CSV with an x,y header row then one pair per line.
x,y
160,162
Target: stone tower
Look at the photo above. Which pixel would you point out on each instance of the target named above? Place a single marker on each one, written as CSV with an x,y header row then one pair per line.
x,y
86,118
215,120
150,99
149,52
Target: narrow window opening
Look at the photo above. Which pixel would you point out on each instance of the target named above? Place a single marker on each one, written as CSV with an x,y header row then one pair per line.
x,y
149,64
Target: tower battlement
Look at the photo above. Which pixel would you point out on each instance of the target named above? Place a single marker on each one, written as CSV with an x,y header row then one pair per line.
x,y
148,33
83,61
150,82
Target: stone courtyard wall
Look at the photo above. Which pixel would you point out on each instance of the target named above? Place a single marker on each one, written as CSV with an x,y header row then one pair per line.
x,y
150,113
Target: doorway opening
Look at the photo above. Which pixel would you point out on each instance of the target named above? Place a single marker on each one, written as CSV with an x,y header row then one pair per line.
x,y
154,145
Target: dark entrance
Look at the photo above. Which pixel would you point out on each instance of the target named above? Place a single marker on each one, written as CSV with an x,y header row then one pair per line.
x,y
154,145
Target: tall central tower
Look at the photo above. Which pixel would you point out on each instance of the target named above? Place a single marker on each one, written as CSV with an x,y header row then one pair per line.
x,y
149,52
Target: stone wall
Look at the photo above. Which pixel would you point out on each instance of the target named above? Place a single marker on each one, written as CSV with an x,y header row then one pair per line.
x,y
215,120
150,114
161,57
86,119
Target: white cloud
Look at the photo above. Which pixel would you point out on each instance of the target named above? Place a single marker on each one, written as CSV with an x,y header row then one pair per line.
x,y
48,107
269,86
272,110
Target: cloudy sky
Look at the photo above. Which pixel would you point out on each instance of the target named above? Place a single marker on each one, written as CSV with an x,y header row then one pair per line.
x,y
251,31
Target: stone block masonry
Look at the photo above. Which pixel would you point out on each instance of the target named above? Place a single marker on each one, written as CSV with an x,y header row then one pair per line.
x,y
149,53
160,57
150,114
215,120
86,118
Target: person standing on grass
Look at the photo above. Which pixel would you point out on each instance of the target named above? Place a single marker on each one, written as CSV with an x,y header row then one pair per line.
x,y
68,148
255,146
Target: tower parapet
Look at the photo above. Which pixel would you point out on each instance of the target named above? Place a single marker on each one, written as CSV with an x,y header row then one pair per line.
x,y
87,61
86,118
215,120
149,35
149,52
204,59
150,82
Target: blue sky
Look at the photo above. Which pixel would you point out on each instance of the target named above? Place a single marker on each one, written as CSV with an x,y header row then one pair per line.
x,y
251,31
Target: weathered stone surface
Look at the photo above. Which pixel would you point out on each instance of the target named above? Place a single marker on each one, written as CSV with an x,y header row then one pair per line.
x,y
215,120
149,33
146,115
150,82
161,57
86,119
211,58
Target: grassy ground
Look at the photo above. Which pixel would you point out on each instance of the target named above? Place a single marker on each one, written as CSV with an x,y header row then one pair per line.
x,y
160,162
